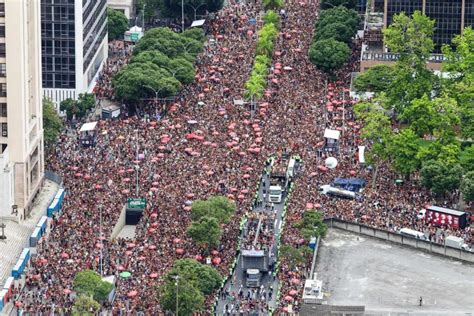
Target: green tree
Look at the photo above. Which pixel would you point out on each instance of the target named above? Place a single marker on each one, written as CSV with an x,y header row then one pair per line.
x,y
201,276
70,107
467,186
266,39
427,116
190,298
441,178
151,56
89,283
338,14
327,4
85,305
375,79
329,55
133,82
182,70
195,33
272,4
293,256
339,31
467,158
411,37
271,17
117,24
377,130
218,207
52,123
205,232
85,102
403,149
459,64
312,225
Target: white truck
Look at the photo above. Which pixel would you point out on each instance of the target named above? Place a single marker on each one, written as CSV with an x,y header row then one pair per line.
x,y
456,242
283,170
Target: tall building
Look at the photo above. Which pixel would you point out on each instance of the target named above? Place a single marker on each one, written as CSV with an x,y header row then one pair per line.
x,y
74,46
451,16
21,119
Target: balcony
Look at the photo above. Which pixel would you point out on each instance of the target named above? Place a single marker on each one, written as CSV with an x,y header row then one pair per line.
x,y
392,57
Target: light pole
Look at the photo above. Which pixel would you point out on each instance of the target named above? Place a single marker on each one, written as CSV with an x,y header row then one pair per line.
x,y
182,16
176,277
101,263
137,168
195,8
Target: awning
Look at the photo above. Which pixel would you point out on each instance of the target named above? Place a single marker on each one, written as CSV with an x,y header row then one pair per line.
x,y
88,127
198,23
331,133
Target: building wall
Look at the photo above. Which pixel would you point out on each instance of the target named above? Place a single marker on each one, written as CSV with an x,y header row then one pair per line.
x,y
6,184
23,98
126,6
84,40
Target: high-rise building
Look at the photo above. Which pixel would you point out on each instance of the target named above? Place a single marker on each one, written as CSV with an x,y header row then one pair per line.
x,y
74,46
451,16
21,119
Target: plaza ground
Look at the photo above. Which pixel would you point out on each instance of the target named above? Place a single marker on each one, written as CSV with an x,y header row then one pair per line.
x,y
388,278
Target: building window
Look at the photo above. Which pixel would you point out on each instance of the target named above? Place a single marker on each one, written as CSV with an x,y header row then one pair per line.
x,y
3,70
2,49
3,110
4,130
3,89
2,30
2,10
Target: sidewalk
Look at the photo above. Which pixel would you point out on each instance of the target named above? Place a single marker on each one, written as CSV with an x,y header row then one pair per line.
x,y
18,234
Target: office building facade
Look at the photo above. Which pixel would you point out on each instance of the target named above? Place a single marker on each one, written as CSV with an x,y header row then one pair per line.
x,y
21,119
451,16
74,46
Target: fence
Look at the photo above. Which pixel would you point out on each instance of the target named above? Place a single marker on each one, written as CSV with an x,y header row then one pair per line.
x,y
424,245
53,177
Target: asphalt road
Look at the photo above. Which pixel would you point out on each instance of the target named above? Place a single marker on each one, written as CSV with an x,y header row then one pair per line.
x,y
236,284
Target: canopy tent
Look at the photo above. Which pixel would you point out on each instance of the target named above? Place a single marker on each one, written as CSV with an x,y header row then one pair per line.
x,y
350,184
133,34
88,127
361,154
198,23
332,134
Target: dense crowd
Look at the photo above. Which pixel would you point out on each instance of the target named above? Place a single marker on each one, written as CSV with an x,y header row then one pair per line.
x,y
207,145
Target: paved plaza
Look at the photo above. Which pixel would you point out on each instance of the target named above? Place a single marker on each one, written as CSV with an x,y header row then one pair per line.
x,y
18,233
388,278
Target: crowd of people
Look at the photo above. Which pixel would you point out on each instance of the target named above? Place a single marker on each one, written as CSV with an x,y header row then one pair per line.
x,y
207,145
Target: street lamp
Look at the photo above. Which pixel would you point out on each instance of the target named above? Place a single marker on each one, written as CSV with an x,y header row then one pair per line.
x,y
101,263
176,277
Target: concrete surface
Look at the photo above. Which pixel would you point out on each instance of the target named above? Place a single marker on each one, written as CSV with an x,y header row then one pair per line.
x,y
127,232
18,234
388,278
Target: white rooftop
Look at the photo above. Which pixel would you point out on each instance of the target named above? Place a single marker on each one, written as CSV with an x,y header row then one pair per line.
x,y
88,127
331,133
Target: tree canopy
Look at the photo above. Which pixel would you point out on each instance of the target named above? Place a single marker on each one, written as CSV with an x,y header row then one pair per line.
x,y
338,14
467,186
190,300
201,276
441,178
403,149
78,108
162,62
312,225
85,306
375,79
329,55
89,283
206,232
218,207
52,123
327,4
117,24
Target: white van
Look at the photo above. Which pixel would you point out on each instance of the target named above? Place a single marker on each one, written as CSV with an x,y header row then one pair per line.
x,y
412,233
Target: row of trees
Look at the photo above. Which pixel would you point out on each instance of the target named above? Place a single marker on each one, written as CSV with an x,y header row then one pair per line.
x,y
207,217
191,281
162,62
434,115
334,31
257,82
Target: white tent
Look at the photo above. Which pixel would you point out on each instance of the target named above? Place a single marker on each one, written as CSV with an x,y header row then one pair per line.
x,y
88,127
198,23
361,154
332,134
